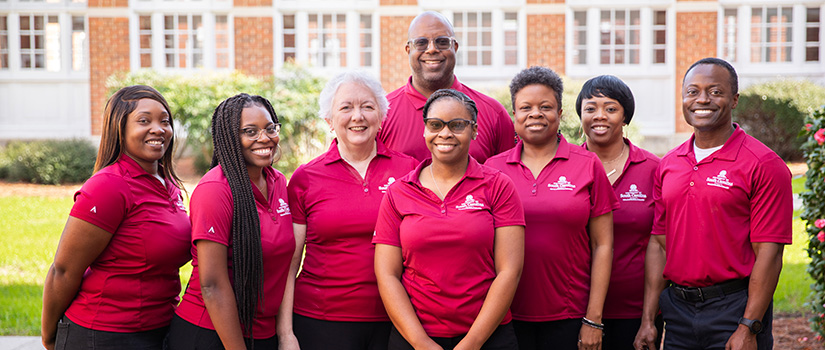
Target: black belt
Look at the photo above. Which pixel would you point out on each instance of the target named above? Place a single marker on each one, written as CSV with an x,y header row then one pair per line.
x,y
694,294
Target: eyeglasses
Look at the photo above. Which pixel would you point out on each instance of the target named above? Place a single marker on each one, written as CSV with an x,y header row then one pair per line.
x,y
253,134
440,43
456,125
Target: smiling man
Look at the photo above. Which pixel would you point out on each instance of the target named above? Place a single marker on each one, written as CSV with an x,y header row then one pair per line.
x,y
431,48
723,211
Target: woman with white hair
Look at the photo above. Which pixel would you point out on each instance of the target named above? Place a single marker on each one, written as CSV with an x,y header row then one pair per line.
x,y
334,201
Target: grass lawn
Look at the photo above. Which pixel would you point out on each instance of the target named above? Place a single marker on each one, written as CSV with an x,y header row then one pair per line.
x,y
32,227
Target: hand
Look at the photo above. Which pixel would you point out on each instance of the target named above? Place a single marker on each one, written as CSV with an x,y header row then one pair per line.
x,y
590,338
646,337
288,342
742,339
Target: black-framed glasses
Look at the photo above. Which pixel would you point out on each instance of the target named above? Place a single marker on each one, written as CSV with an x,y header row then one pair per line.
x,y
440,43
456,125
253,133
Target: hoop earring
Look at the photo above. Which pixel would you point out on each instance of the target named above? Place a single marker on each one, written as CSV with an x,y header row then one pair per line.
x,y
278,153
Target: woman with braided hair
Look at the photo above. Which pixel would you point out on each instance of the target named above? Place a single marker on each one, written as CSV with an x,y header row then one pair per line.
x,y
241,227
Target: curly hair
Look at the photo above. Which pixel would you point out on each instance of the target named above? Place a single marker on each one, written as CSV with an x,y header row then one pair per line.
x,y
536,75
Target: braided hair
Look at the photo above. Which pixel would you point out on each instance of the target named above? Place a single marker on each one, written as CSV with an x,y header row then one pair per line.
x,y
247,260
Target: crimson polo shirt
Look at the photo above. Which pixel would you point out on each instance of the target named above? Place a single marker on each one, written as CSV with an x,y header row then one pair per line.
x,y
133,285
339,208
212,210
447,246
570,190
403,128
712,211
632,224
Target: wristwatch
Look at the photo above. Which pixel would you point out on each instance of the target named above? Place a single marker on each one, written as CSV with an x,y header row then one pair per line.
x,y
754,325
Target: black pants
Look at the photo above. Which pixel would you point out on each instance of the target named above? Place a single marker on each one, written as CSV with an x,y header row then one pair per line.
x,y
561,334
503,338
708,324
315,334
71,336
187,336
620,333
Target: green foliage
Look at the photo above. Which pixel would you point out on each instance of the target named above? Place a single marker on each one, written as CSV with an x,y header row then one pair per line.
x,y
194,97
814,210
775,111
48,162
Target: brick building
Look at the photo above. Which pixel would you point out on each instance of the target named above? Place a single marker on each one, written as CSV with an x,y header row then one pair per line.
x,y
55,55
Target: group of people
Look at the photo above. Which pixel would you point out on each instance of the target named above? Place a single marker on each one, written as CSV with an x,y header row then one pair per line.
x,y
483,234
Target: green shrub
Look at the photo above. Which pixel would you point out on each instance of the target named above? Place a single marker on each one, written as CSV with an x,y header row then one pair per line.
x,y
813,214
194,97
48,162
775,111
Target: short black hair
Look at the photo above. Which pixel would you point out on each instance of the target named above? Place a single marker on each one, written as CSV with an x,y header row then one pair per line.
x,y
611,87
459,96
536,75
734,79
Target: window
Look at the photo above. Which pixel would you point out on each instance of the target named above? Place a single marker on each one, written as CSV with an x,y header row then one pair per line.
x,y
40,42
183,41
580,37
619,37
327,40
474,32
79,43
771,34
4,43
145,38
510,27
729,35
812,34
659,36
289,37
221,42
365,33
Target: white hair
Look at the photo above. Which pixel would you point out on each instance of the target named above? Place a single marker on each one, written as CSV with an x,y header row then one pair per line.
x,y
352,76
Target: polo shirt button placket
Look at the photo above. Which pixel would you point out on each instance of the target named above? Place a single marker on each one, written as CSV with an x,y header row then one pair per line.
x,y
443,208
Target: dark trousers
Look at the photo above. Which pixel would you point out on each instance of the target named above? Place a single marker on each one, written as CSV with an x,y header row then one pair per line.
x,y
71,336
187,336
620,333
561,334
708,324
503,338
315,334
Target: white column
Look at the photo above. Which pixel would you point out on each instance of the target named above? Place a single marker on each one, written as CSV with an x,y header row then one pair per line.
x,y
798,35
13,23
158,56
208,22
353,36
65,21
593,34
301,37
645,37
497,38
743,34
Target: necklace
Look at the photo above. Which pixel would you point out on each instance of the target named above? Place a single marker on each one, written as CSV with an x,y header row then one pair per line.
x,y
435,182
614,160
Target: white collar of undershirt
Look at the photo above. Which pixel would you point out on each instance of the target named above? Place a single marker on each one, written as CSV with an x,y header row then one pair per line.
x,y
162,182
702,153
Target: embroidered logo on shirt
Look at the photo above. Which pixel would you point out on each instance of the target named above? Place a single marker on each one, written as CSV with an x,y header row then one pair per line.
x,y
561,185
179,203
633,195
470,204
384,187
94,210
720,180
211,230
283,208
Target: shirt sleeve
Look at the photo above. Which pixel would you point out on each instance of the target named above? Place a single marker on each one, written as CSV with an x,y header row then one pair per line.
x,y
507,207
211,207
103,201
771,203
297,196
388,226
658,204
602,197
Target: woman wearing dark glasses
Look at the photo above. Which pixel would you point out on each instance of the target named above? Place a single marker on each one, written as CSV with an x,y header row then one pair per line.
x,y
568,205
450,241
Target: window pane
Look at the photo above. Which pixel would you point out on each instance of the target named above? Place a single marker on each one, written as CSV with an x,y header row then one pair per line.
x,y
812,15
289,21
661,18
659,56
812,54
78,43
659,37
366,21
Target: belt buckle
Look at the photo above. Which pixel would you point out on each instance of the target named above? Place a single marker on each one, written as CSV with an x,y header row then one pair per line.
x,y
682,292
701,296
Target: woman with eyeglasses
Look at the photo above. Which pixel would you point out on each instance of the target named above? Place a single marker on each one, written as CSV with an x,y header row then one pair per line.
x,y
568,205
334,200
450,241
244,253
114,282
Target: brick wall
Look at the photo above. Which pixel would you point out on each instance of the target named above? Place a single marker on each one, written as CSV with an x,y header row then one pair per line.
x,y
108,3
545,1
108,54
253,2
398,2
695,39
253,45
395,63
545,38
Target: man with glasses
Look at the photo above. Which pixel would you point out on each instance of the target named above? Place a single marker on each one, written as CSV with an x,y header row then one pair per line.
x,y
431,48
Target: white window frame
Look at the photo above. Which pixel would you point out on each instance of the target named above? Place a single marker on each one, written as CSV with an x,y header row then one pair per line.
x,y
64,13
498,71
